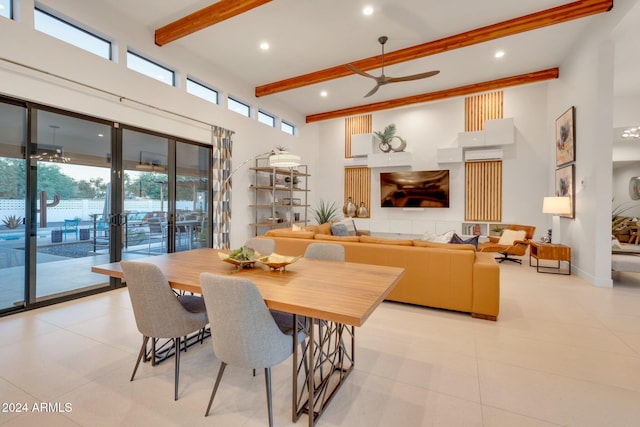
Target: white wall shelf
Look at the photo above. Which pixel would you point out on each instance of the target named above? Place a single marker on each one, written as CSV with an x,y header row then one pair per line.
x,y
382,160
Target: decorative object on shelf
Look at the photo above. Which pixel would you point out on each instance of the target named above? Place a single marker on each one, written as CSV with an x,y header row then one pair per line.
x,y
566,137
362,212
349,209
556,206
476,230
497,229
400,146
325,212
385,137
296,181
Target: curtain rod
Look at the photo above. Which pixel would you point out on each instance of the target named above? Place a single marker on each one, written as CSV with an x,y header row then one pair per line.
x,y
121,98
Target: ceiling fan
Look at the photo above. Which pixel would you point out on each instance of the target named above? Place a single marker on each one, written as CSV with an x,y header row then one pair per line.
x,y
382,79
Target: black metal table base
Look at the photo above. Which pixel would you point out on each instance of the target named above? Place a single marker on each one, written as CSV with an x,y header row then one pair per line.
x,y
327,359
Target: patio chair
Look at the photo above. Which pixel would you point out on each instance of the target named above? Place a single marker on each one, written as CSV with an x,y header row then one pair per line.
x,y
71,226
159,313
157,231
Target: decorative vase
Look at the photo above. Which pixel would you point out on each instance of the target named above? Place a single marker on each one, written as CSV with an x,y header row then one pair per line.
x,y
476,230
384,146
349,210
362,211
401,145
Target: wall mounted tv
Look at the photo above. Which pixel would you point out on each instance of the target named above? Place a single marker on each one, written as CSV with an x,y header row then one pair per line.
x,y
414,189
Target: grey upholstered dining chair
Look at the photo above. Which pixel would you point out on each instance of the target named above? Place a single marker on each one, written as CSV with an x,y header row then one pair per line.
x,y
159,313
243,330
264,246
326,251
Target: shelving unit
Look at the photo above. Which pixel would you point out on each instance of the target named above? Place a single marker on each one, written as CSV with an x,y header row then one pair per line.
x,y
279,194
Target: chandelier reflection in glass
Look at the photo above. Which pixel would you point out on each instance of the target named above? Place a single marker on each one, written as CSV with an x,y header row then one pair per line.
x,y
51,153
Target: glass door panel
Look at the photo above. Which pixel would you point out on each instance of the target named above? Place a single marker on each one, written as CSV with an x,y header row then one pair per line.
x,y
72,159
145,165
12,205
193,169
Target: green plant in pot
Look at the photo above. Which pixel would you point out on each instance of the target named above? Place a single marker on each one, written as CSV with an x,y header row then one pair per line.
x,y
325,212
385,137
12,221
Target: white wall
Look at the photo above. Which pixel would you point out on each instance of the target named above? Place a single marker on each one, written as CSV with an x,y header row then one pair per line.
x,y
436,125
586,81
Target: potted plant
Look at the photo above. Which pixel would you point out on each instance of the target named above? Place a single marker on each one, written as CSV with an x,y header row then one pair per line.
x,y
325,212
385,137
12,221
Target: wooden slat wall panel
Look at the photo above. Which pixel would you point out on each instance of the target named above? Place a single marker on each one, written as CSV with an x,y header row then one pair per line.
x,y
357,185
483,198
353,125
478,108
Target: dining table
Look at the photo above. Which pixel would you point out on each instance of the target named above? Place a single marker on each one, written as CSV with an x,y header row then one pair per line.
x,y
327,299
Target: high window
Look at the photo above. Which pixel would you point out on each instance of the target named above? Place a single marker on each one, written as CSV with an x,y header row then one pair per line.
x,y
72,34
202,91
287,128
6,8
149,68
267,119
238,107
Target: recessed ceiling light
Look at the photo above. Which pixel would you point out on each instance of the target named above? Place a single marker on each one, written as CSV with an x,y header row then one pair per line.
x,y
101,135
324,93
499,54
367,10
264,46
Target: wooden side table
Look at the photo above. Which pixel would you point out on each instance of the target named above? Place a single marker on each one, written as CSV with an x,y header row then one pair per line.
x,y
549,251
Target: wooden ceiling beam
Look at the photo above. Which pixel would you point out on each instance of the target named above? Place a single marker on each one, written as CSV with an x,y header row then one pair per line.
x,y
521,79
203,18
544,18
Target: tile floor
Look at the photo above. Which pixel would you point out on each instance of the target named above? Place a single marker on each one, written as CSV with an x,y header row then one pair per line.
x,y
562,353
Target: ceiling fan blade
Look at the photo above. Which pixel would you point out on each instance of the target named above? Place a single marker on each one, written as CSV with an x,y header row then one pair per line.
x,y
372,91
357,71
412,77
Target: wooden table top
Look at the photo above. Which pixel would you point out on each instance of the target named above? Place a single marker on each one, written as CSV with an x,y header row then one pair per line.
x,y
340,292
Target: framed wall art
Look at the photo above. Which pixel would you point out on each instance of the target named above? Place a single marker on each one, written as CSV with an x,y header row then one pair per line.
x,y
565,186
566,137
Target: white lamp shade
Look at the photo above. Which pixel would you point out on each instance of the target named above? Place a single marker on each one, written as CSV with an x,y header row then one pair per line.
x,y
556,205
284,160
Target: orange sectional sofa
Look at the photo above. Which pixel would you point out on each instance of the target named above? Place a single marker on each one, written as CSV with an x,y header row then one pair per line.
x,y
449,276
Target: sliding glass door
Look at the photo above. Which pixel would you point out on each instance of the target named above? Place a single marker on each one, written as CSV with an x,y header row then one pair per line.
x,y
70,159
13,122
78,191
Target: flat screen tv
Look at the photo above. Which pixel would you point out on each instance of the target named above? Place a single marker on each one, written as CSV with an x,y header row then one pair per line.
x,y
414,189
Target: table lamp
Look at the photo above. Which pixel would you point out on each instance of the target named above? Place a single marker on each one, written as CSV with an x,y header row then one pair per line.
x,y
556,206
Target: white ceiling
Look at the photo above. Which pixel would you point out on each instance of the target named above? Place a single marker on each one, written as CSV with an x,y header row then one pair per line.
x,y
309,35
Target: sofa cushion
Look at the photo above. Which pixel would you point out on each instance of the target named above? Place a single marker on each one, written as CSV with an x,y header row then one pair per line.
x,y
290,233
323,228
339,230
462,247
509,236
381,240
457,240
319,236
438,238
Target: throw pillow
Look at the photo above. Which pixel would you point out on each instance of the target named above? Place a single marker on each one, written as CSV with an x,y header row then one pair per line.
x,y
460,241
295,227
339,230
384,241
442,238
324,228
350,225
510,236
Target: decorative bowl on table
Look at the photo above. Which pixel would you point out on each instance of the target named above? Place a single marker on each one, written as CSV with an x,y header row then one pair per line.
x,y
243,257
276,261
